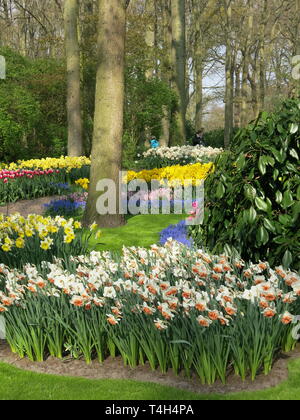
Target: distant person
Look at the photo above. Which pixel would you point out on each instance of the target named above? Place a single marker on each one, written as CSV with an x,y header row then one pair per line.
x,y
154,143
198,140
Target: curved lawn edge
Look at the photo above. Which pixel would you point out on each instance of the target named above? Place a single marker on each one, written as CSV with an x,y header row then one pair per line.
x,y
140,231
17,384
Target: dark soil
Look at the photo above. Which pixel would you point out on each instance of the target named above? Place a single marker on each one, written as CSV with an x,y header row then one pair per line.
x,y
114,369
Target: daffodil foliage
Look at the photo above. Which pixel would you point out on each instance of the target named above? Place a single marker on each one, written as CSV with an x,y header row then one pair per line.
x,y
36,239
176,308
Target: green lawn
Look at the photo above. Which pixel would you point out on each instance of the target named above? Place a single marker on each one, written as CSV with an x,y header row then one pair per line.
x,y
140,231
16,384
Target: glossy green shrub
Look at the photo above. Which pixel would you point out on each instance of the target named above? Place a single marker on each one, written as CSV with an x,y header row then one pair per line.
x,y
252,199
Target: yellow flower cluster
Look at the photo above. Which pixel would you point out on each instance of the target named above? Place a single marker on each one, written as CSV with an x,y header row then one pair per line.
x,y
67,163
83,182
15,230
175,175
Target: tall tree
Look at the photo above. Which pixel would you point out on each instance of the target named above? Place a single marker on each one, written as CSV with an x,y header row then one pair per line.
x,y
109,108
229,68
166,73
178,10
71,12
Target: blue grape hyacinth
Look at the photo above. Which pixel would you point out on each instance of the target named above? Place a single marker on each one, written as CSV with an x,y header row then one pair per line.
x,y
178,233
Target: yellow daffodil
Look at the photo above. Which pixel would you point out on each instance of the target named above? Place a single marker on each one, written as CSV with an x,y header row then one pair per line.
x,y
67,163
93,227
6,248
20,243
98,235
83,183
175,175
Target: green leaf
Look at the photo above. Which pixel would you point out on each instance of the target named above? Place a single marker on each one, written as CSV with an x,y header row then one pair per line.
x,y
262,236
280,129
269,160
288,200
296,210
294,154
277,154
252,215
275,174
279,197
270,226
285,219
220,190
241,162
294,128
250,192
261,204
287,259
291,168
262,165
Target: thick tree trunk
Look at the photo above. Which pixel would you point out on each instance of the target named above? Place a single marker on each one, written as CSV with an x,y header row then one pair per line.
x,y
109,108
179,65
71,12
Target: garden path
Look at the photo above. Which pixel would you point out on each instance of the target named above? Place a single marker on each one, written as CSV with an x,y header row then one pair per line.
x,y
26,207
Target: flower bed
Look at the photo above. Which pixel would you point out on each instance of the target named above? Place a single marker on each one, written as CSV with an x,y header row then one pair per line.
x,y
36,239
168,156
71,205
177,233
64,162
39,178
25,184
65,207
174,307
174,175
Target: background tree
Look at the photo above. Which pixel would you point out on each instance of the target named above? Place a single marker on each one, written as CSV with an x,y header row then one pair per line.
x,y
71,11
241,64
109,107
178,23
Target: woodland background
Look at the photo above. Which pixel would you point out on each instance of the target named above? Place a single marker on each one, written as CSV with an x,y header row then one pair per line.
x,y
211,63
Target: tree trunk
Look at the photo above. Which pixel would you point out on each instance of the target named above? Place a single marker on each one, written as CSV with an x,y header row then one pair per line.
x,y
179,66
199,92
262,58
71,12
297,40
109,109
165,124
229,84
245,66
150,39
295,84
237,95
166,71
244,92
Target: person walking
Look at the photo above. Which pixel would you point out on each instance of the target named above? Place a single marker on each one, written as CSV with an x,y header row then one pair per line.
x,y
198,140
154,143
